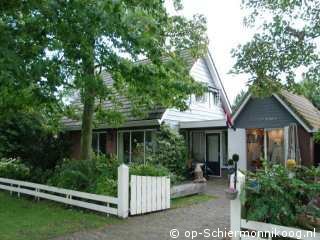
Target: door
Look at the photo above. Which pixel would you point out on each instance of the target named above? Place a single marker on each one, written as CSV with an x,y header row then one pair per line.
x,y
213,154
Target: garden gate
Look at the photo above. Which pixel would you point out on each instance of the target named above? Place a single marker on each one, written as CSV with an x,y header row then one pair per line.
x,y
149,194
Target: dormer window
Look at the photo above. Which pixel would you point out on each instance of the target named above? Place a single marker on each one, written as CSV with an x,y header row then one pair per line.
x,y
202,99
214,97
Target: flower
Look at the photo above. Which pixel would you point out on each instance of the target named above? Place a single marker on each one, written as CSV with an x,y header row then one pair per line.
x,y
291,163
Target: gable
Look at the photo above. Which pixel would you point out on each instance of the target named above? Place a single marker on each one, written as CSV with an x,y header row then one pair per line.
x,y
200,72
263,113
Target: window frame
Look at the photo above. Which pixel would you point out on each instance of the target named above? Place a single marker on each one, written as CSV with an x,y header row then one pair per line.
x,y
98,141
130,141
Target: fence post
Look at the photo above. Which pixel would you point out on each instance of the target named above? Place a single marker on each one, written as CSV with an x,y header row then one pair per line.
x,y
235,207
123,191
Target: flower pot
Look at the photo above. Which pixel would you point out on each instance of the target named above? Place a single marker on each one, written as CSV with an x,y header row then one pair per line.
x,y
231,194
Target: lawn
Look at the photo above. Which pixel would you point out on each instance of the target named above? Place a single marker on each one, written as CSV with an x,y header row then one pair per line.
x,y
26,219
190,200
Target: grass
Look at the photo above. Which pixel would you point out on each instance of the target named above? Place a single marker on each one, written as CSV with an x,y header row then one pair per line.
x,y
26,219
190,200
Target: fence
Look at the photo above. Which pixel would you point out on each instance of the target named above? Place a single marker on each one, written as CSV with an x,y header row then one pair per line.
x,y
149,194
106,204
237,223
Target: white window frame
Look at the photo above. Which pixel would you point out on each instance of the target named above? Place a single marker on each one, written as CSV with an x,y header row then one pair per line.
x,y
214,97
130,140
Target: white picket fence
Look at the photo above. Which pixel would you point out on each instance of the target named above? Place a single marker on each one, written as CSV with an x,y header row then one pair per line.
x,y
149,194
237,223
106,204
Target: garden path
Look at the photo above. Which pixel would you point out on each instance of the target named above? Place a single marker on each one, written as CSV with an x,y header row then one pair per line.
x,y
211,215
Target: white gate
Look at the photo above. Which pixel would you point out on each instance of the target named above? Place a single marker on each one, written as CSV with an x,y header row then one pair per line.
x,y
149,194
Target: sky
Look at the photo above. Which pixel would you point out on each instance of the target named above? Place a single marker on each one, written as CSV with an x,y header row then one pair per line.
x,y
225,31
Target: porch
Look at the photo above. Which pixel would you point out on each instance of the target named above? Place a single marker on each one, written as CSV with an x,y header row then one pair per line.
x,y
207,143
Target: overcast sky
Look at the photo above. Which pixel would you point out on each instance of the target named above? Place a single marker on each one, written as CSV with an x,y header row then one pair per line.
x,y
225,31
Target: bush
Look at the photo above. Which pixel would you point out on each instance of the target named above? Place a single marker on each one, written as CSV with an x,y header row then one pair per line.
x,y
171,151
272,195
98,175
25,135
148,170
14,169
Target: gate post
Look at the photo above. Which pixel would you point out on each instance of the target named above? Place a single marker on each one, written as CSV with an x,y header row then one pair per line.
x,y
123,191
235,207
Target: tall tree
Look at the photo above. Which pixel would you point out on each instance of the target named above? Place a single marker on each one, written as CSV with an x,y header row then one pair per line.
x,y
286,43
91,36
29,78
310,88
238,100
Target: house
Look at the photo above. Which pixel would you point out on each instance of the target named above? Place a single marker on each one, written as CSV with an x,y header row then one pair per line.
x,y
275,128
203,124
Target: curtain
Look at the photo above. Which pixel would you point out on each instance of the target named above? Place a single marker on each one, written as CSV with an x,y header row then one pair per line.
x,y
292,146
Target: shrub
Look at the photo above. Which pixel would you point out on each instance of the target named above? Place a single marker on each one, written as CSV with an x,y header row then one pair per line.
x,y
14,169
149,170
170,151
74,174
106,186
272,195
98,175
25,135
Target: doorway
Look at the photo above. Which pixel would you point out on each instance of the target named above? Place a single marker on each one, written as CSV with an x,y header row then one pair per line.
x,y
213,161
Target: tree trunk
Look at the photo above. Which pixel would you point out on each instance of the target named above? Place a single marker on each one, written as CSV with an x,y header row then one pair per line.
x,y
88,104
87,123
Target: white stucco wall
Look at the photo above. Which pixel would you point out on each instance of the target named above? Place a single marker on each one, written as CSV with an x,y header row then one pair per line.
x,y
237,144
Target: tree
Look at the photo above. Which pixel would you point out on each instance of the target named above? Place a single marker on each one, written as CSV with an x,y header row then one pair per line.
x,y
285,44
310,88
52,47
28,77
238,100
91,36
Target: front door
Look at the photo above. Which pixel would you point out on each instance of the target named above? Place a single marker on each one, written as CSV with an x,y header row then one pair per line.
x,y
213,154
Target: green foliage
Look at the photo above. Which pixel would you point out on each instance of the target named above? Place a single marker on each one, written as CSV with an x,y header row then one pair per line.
x,y
317,137
14,169
310,88
284,44
170,151
98,175
273,196
25,135
238,100
148,170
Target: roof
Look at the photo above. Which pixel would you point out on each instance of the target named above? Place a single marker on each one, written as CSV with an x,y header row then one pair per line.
x,y
125,106
298,106
303,107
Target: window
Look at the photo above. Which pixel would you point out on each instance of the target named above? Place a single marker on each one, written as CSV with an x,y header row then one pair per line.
x,y
99,142
136,146
214,98
275,146
198,144
202,99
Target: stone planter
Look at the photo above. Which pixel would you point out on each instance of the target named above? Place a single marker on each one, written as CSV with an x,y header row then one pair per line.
x,y
231,194
187,189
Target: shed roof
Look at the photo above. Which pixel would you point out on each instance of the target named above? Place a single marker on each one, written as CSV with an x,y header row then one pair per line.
x,y
299,106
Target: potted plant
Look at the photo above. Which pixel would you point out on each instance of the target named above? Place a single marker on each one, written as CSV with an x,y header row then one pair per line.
x,y
232,192
291,165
